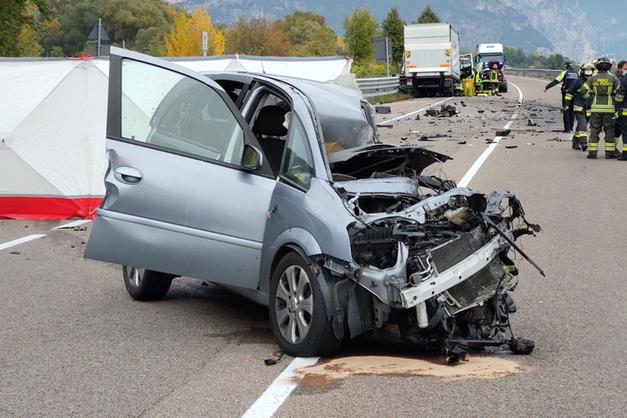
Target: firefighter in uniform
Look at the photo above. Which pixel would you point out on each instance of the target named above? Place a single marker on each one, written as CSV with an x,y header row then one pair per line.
x,y
621,102
618,128
604,86
478,80
494,78
566,77
580,107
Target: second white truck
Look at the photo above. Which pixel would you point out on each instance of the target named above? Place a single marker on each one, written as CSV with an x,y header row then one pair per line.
x,y
431,64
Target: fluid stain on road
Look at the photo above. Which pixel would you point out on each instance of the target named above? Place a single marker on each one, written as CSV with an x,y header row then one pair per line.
x,y
478,367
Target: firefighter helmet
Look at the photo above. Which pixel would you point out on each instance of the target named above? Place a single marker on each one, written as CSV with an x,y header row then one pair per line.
x,y
603,64
586,66
567,65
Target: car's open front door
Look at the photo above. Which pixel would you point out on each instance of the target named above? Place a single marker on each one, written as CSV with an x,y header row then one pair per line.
x,y
179,198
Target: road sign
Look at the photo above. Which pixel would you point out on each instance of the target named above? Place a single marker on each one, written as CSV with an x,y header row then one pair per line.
x,y
205,43
383,51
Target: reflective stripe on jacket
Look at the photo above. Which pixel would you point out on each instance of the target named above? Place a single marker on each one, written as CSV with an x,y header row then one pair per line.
x,y
604,86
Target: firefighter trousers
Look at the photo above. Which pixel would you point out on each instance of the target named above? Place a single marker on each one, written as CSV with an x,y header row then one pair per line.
x,y
567,113
580,139
602,122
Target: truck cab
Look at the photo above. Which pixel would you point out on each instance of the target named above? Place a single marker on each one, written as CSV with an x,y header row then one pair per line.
x,y
489,54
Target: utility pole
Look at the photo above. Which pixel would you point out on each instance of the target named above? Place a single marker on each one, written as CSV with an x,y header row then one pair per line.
x,y
99,34
387,55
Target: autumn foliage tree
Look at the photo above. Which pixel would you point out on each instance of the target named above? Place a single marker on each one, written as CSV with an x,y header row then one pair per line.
x,y
309,35
257,36
185,38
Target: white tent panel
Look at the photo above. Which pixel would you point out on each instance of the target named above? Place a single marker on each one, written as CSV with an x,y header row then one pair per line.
x,y
65,143
21,179
23,85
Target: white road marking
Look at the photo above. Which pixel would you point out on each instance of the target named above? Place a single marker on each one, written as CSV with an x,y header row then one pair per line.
x,y
19,241
269,401
472,171
413,113
33,237
73,224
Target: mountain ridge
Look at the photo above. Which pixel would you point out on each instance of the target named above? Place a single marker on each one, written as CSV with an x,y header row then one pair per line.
x,y
546,26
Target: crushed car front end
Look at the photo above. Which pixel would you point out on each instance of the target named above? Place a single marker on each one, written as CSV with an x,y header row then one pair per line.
x,y
434,258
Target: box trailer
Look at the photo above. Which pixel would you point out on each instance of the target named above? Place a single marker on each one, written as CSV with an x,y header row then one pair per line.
x,y
431,63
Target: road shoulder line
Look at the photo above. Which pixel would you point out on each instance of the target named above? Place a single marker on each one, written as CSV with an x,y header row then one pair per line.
x,y
19,241
278,391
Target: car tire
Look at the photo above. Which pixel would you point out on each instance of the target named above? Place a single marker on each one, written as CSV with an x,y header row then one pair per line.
x,y
144,284
306,306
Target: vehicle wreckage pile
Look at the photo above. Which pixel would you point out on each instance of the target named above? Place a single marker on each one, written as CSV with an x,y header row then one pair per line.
x,y
433,256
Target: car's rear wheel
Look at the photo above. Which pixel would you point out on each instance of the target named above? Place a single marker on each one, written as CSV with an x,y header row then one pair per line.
x,y
144,284
298,317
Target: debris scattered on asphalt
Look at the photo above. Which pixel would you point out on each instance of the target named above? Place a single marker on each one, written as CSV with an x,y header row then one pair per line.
x,y
417,117
490,141
511,146
403,138
385,125
530,122
446,111
383,109
503,132
531,143
273,361
15,252
462,142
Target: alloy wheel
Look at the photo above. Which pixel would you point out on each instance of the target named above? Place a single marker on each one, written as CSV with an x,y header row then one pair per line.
x,y
294,304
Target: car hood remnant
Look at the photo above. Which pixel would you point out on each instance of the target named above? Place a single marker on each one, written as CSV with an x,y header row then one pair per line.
x,y
382,160
434,257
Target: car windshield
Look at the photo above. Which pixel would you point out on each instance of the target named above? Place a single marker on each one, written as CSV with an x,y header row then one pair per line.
x,y
490,58
348,130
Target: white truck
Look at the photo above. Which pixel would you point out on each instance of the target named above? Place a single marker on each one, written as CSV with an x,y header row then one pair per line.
x,y
490,54
431,63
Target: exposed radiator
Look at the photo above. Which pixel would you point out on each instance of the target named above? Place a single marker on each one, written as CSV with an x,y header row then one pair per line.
x,y
452,252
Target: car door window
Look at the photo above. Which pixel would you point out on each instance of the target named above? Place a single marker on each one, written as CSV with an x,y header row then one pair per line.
x,y
174,112
298,167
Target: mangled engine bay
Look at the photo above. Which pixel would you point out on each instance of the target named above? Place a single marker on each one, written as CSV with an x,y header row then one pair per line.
x,y
434,257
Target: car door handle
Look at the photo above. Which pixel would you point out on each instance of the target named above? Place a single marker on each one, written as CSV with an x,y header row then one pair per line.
x,y
128,175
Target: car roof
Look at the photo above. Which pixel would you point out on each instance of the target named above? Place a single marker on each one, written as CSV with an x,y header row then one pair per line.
x,y
332,102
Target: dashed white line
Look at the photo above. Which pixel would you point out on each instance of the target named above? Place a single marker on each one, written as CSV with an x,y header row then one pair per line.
x,y
73,224
407,115
19,241
269,401
472,171
33,237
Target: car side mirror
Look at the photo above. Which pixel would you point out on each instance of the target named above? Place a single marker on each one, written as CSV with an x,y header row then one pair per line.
x,y
252,159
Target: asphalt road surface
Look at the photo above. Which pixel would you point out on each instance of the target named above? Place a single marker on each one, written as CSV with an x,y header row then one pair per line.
x,y
73,343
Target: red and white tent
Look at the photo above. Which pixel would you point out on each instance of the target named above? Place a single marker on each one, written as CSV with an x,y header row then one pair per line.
x,y
53,127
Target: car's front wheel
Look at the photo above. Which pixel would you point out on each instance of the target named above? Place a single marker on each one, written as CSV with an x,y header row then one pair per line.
x,y
144,284
298,317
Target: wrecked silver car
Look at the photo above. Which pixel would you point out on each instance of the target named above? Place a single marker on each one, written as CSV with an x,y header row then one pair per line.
x,y
280,190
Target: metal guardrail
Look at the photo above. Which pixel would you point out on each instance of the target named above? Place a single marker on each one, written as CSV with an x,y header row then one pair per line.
x,y
533,72
377,86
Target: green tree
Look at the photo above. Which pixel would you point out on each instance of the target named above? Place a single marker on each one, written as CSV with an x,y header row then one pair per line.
x,y
392,27
309,35
428,16
140,24
257,36
18,25
360,28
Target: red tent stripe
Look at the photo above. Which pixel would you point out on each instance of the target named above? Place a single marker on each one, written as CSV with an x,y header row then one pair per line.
x,y
48,208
